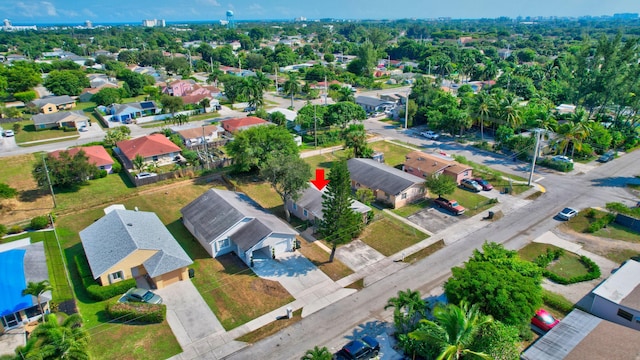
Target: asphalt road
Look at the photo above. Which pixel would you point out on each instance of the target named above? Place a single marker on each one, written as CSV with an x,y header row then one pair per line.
x,y
340,321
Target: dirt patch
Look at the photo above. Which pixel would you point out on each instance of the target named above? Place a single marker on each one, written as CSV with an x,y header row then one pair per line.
x,y
268,288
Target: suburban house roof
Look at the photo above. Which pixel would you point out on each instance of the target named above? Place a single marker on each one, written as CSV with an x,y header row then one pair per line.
x,y
195,98
56,100
197,132
147,146
62,116
233,125
290,115
370,101
216,211
141,106
375,175
311,200
119,233
97,155
623,286
581,335
430,164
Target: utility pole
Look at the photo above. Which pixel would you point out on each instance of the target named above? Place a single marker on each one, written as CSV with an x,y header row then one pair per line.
x,y
326,90
535,154
206,149
46,170
406,110
315,127
276,67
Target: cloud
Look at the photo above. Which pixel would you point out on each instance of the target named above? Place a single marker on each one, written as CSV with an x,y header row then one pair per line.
x,y
89,13
208,2
256,8
49,8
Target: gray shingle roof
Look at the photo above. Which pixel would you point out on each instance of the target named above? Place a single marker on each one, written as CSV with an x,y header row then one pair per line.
x,y
76,115
121,232
57,100
311,199
375,175
216,211
250,234
369,101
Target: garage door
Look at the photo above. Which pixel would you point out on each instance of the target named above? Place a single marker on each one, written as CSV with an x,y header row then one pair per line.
x,y
281,247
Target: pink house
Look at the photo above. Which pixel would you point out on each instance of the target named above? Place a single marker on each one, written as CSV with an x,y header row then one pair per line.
x,y
423,165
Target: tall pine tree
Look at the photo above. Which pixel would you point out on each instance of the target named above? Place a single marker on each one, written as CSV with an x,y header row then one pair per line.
x,y
340,224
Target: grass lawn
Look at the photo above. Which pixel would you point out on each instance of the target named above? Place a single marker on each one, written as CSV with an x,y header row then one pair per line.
x,y
271,328
473,202
393,154
620,255
55,265
412,208
335,270
96,192
29,133
532,250
260,191
568,266
581,223
378,235
421,254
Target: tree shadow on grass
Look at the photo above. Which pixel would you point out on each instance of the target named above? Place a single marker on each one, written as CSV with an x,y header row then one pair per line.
x,y
232,264
32,195
188,242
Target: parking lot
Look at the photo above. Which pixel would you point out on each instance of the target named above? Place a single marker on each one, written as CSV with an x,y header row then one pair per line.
x,y
435,219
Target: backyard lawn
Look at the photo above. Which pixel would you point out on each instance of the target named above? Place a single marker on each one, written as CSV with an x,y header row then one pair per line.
x,y
389,236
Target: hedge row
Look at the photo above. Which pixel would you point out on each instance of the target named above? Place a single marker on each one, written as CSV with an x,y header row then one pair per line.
x,y
557,301
556,165
96,291
601,223
140,313
593,273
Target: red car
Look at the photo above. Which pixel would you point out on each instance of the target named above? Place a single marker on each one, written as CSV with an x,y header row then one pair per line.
x,y
543,320
486,186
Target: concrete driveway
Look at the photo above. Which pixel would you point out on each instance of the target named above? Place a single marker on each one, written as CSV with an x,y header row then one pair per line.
x,y
358,255
435,219
187,313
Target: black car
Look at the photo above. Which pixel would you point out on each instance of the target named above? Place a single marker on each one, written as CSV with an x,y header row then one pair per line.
x,y
606,157
362,349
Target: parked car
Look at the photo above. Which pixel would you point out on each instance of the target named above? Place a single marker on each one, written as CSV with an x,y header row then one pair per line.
x,y
430,135
543,320
8,133
606,157
567,213
471,185
450,205
562,158
486,186
249,109
365,348
83,128
143,175
141,295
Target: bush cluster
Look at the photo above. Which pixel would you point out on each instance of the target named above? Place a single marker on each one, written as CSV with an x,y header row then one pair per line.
x,y
140,313
593,273
601,223
556,165
624,209
96,291
545,259
39,222
557,302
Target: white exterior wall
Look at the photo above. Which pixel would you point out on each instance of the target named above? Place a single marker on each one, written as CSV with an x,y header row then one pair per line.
x,y
608,310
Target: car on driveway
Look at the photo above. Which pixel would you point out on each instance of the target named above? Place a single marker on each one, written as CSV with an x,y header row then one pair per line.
x,y
250,109
486,186
606,157
365,348
562,158
543,320
450,205
430,135
83,128
8,133
567,213
141,295
470,185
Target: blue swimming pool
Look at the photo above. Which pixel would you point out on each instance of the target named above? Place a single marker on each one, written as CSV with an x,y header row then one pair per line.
x,y
12,282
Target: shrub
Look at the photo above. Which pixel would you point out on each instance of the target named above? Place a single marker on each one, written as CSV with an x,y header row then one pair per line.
x,y
39,222
101,174
590,213
140,313
557,302
116,167
545,259
593,273
601,223
3,230
96,291
556,165
15,229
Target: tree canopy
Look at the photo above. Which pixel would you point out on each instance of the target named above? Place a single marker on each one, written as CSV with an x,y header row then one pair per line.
x,y
65,170
288,175
66,82
251,148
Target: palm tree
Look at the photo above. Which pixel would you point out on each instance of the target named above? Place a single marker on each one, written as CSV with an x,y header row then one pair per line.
x,y
263,81
205,103
253,91
138,162
317,354
345,94
578,131
291,86
52,340
483,106
37,289
409,308
214,76
510,111
454,330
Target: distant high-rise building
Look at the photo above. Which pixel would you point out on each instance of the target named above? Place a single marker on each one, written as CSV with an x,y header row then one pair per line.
x,y
230,23
154,23
6,26
625,16
299,19
88,24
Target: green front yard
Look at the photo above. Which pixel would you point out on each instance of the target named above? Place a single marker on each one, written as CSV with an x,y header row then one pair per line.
x,y
377,235
581,223
28,133
567,266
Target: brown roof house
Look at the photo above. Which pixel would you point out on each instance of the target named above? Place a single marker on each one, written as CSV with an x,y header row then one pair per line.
x,y
423,165
154,148
195,135
234,125
52,104
389,185
127,244
97,156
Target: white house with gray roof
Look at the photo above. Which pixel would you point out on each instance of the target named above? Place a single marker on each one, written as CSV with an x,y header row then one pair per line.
x,y
227,221
617,299
309,206
389,185
128,244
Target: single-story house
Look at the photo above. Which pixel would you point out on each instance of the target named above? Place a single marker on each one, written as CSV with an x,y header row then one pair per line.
x,y
309,206
195,135
96,154
101,80
389,185
371,104
154,148
87,94
580,336
72,119
20,263
234,125
52,104
423,165
127,244
125,113
227,221
617,299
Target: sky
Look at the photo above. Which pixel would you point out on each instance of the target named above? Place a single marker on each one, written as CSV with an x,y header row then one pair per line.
x,y
26,12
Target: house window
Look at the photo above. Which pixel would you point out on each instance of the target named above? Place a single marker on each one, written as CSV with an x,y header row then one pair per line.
x,y
625,314
116,276
404,196
305,213
295,206
49,108
466,173
101,167
223,243
155,158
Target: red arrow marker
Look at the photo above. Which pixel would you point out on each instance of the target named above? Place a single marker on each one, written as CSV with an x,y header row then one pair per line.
x,y
320,182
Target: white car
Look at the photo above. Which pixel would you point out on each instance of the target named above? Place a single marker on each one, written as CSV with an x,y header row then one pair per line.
x,y
144,175
8,133
430,135
567,213
562,158
83,128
